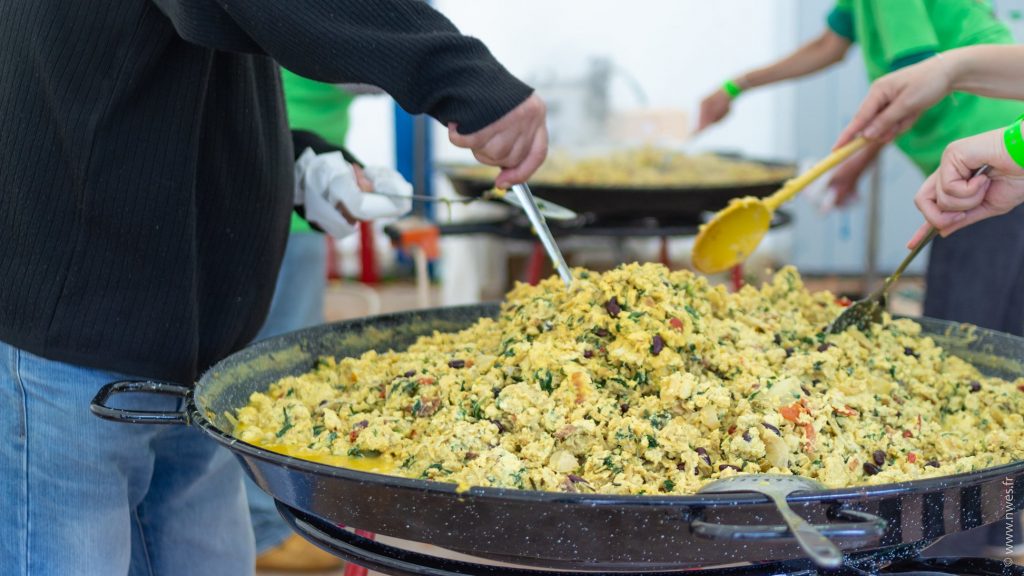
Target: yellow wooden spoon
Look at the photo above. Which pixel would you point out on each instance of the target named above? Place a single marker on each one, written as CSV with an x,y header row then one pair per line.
x,y
737,229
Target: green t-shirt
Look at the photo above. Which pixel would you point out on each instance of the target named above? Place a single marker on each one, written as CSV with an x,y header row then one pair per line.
x,y
897,33
319,108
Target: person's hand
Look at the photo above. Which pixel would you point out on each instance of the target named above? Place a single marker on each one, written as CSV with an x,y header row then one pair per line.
x,y
517,142
896,100
332,192
713,108
951,199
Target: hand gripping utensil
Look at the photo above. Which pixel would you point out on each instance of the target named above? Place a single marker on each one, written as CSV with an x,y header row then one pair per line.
x,y
867,311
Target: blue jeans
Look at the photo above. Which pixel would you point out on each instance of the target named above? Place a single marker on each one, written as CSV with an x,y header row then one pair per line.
x,y
298,303
84,496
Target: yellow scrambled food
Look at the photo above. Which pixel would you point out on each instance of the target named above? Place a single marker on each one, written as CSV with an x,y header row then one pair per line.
x,y
643,381
650,167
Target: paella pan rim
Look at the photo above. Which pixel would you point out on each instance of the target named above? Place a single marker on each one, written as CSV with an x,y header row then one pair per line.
x,y
460,171
924,485
197,417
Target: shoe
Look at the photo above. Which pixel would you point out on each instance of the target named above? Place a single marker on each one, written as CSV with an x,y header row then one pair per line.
x,y
295,554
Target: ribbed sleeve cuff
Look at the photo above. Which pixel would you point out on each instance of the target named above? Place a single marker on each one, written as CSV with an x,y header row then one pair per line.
x,y
482,103
910,59
840,21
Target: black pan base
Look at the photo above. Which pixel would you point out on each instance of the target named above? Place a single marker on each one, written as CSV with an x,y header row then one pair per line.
x,y
903,559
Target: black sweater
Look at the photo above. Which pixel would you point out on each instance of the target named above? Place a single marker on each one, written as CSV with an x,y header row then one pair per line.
x,y
146,166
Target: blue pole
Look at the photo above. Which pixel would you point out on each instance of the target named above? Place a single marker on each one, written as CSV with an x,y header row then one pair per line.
x,y
414,156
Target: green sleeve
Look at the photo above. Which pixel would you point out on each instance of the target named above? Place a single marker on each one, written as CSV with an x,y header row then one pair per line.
x,y
905,31
318,107
840,20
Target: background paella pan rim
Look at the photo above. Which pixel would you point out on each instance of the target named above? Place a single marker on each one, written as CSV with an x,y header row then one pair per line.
x,y
470,174
205,419
625,201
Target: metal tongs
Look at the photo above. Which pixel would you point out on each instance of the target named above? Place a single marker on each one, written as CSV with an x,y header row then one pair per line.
x,y
867,311
540,227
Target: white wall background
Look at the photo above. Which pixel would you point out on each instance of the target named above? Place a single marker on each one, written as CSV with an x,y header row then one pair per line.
x,y
679,50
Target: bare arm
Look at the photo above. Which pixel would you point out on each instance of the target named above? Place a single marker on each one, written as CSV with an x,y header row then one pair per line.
x,y
818,54
825,50
990,70
896,100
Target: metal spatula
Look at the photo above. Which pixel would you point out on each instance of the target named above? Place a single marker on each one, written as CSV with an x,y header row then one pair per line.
x,y
540,227
867,311
548,209
777,487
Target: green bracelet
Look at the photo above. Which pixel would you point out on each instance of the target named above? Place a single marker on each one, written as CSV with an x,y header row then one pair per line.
x,y
1014,142
731,88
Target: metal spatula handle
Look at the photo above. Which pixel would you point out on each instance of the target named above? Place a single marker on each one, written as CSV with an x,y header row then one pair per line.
x,y
540,226
820,549
932,233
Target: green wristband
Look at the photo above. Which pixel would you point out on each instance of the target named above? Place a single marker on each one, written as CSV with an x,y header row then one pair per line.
x,y
1014,142
731,88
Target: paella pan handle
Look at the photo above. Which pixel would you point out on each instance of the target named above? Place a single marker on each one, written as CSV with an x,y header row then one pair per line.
x,y
852,524
101,408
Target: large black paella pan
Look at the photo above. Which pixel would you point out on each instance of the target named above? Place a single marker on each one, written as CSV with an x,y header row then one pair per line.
x,y
635,200
581,531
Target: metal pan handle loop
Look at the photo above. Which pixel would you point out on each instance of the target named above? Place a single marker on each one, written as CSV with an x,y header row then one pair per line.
x,y
854,524
101,408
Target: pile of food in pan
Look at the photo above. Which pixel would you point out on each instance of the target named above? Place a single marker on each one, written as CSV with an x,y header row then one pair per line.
x,y
648,167
643,380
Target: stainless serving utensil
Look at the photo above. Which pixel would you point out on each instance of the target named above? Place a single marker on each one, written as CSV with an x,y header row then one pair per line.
x,y
548,209
540,227
777,487
867,311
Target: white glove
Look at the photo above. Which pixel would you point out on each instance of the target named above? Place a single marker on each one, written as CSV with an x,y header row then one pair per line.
x,y
393,196
325,181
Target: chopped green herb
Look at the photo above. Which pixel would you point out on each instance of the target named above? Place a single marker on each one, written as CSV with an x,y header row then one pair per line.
x,y
354,452
544,378
287,423
660,419
611,465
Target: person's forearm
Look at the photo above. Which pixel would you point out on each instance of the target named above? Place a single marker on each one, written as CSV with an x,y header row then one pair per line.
x,y
987,70
818,54
404,46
